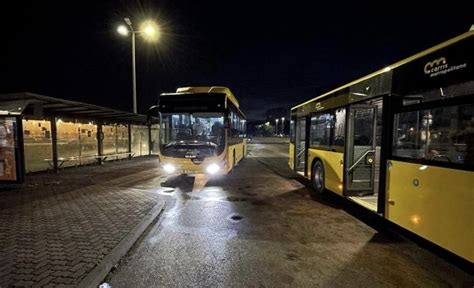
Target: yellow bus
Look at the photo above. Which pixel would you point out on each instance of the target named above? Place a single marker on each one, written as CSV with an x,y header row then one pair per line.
x,y
399,142
202,131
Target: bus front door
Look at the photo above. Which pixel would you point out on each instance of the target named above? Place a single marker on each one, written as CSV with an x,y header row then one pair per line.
x,y
300,145
360,150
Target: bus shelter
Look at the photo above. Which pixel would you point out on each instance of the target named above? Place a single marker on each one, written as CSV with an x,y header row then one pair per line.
x,y
39,133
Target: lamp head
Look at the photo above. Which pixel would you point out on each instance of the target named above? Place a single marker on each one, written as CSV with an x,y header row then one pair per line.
x,y
122,30
150,30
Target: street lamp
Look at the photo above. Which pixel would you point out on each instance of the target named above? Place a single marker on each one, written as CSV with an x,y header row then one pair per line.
x,y
150,32
283,125
276,126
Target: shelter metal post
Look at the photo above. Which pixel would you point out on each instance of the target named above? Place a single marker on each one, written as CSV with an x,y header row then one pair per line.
x,y
54,142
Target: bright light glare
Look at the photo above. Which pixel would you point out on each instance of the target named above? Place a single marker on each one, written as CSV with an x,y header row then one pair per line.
x,y
169,168
213,168
122,30
150,30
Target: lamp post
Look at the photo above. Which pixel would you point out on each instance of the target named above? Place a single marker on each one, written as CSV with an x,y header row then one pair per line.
x,y
283,125
150,32
276,126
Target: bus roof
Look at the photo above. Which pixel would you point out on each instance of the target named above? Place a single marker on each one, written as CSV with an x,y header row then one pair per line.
x,y
393,66
207,89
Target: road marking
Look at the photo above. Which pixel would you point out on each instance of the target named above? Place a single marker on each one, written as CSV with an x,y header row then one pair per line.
x,y
200,180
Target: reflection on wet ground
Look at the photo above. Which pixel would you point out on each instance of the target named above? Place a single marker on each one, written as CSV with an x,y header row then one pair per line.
x,y
259,227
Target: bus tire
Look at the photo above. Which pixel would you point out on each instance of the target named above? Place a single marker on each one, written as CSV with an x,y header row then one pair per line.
x,y
317,177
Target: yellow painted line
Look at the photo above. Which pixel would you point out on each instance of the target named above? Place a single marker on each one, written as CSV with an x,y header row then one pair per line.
x,y
200,181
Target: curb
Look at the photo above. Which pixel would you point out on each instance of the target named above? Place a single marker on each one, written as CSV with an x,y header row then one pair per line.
x,y
95,277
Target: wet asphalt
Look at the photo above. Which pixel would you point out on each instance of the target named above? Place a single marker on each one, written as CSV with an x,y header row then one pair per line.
x,y
259,227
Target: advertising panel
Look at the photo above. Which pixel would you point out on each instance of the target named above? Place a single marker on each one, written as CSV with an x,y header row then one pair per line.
x,y
7,149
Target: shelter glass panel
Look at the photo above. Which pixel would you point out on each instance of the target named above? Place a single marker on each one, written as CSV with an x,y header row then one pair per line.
x,y
140,144
38,145
110,139
154,141
77,143
122,140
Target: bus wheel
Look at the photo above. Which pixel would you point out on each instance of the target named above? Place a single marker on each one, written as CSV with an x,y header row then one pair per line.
x,y
317,177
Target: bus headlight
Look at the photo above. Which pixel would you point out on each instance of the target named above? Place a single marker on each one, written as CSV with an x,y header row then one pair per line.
x,y
169,168
213,168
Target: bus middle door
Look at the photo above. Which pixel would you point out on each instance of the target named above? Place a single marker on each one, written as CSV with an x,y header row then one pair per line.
x,y
360,150
300,145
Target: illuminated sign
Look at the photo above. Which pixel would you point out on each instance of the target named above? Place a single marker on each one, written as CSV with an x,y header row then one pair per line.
x,y
440,67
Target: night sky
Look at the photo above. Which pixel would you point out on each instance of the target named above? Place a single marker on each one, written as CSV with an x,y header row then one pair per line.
x,y
271,54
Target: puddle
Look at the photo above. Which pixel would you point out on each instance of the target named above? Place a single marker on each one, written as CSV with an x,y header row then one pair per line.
x,y
259,203
235,199
190,197
235,217
167,190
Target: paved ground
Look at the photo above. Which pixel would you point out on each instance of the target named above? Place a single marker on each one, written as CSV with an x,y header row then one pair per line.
x,y
57,228
258,227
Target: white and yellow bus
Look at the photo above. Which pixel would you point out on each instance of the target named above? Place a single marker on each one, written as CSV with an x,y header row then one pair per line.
x,y
399,142
202,131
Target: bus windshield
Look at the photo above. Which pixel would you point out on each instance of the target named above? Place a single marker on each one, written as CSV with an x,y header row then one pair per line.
x,y
192,135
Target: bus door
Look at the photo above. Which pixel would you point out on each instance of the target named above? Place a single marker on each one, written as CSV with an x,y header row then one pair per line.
x,y
360,150
300,145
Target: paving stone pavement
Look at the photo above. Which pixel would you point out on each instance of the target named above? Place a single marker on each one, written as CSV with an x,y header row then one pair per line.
x,y
57,227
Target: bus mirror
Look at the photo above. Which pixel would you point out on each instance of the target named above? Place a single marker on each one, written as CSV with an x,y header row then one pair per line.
x,y
154,111
153,115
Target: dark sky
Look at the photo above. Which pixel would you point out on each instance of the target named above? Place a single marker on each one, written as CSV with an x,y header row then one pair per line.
x,y
270,53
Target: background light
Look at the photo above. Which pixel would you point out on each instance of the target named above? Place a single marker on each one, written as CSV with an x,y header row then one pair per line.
x,y
122,30
150,30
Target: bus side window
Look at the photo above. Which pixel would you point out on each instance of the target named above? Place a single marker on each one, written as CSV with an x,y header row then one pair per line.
x,y
339,127
443,134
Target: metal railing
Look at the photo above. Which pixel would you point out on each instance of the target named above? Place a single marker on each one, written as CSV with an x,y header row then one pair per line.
x,y
360,159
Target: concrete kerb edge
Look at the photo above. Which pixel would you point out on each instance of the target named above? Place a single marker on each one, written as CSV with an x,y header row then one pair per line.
x,y
95,277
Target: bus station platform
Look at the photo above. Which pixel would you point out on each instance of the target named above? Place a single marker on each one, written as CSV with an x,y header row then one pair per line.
x,y
39,133
60,229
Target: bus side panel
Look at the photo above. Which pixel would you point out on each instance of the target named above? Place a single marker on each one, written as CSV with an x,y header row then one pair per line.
x,y
230,157
333,169
239,149
244,148
291,156
433,202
